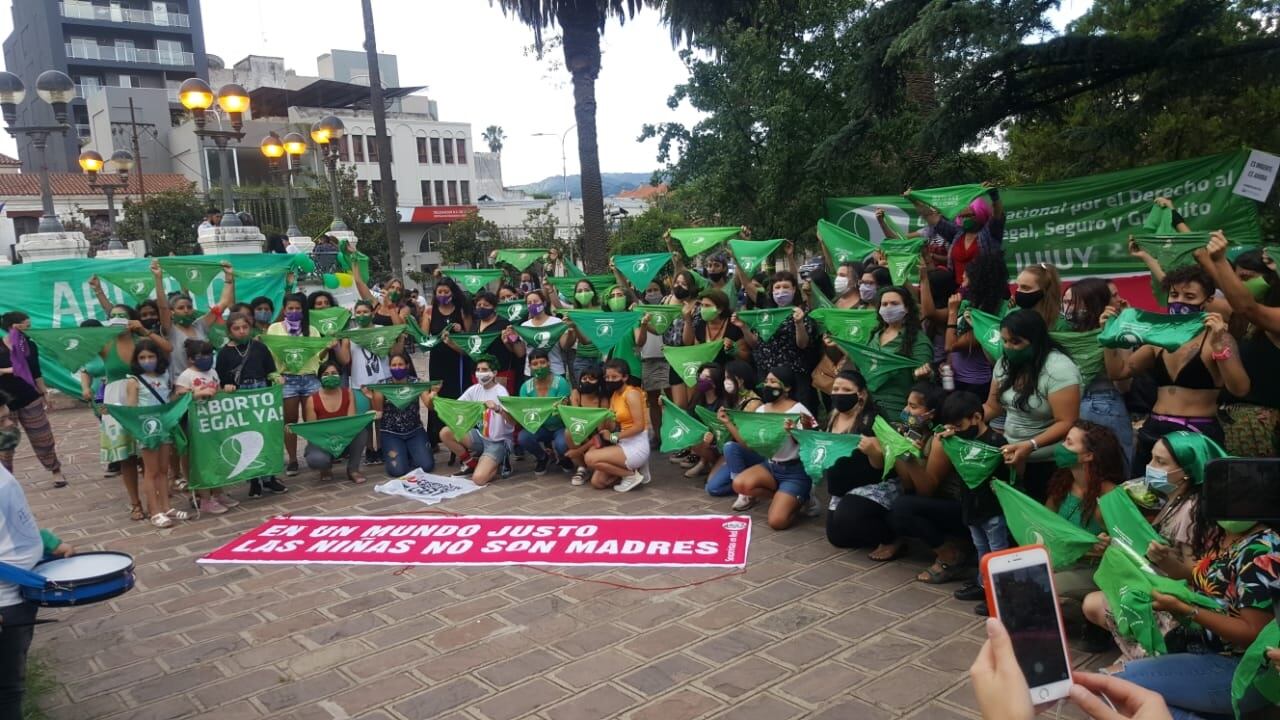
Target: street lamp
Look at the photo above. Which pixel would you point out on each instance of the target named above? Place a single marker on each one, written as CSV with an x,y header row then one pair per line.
x,y
57,89
196,96
122,160
325,134
291,147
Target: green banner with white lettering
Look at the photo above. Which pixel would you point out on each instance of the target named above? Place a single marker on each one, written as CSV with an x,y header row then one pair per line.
x,y
237,436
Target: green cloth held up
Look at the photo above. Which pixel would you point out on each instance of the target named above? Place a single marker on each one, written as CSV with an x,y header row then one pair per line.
x,y
640,270
986,330
72,347
893,444
329,321
137,284
717,428
603,329
687,360
402,395
475,345
699,240
1173,250
973,460
565,285
193,274
1256,670
514,311
1128,583
818,300
763,432
766,321
472,280
531,412
876,365
543,337
520,258
660,316
459,415
1159,220
154,425
378,340
845,246
950,200
680,430
1126,525
1032,523
820,450
1084,350
580,422
293,352
333,435
1133,328
751,254
851,325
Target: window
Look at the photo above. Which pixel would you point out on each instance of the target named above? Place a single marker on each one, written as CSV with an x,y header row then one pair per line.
x,y
426,189
439,184
453,192
375,187
373,148
357,148
435,150
423,158
130,81
362,188
448,151
344,148
465,187
462,151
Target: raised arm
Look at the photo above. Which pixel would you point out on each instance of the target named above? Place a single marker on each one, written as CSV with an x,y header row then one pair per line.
x,y
358,280
677,260
1152,264
95,283
162,298
1214,259
228,297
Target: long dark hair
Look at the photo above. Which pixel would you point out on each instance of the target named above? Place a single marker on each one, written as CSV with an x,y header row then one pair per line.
x,y
1089,297
300,298
910,324
870,410
1029,326
988,282
621,366
461,301
1107,466
149,345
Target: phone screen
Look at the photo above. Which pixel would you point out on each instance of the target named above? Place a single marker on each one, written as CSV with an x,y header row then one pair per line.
x,y
1028,609
1243,489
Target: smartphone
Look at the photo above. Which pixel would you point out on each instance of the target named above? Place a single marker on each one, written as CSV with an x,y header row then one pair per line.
x,y
1242,489
1019,584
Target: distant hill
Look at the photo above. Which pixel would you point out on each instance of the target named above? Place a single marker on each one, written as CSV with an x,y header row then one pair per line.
x,y
613,183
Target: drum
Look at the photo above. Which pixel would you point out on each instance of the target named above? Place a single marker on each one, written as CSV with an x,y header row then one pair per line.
x,y
82,579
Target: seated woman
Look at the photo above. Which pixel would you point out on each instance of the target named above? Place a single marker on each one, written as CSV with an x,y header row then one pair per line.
x,y
852,412
587,394
707,393
782,476
333,400
739,381
404,439
625,444
544,384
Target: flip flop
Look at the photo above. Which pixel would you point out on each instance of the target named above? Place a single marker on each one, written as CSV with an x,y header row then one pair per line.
x,y
945,573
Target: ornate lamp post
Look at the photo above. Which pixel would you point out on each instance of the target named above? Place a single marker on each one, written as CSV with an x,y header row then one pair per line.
x,y
57,89
92,164
325,134
196,96
293,146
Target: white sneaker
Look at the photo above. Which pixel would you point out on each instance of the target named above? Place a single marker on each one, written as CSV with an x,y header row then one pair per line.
x,y
811,508
629,482
579,478
744,502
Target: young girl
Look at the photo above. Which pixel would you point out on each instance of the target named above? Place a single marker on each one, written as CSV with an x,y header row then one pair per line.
x,y
245,363
148,386
201,380
587,394
404,439
333,400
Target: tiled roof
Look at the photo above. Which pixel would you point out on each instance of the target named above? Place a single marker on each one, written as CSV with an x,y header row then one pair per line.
x,y
6,161
644,192
78,183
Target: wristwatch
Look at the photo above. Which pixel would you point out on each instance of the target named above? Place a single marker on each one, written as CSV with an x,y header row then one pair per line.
x,y
613,438
1034,445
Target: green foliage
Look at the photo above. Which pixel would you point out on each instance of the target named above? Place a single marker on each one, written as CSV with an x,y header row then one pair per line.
x,y
469,241
643,233
40,684
174,215
362,214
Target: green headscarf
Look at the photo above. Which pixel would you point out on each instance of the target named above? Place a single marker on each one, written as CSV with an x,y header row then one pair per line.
x,y
1193,451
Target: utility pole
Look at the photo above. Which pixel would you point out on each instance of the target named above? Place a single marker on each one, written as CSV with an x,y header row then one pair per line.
x,y
390,219
142,188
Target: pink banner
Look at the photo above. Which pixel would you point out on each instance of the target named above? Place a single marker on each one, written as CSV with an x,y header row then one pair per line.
x,y
656,541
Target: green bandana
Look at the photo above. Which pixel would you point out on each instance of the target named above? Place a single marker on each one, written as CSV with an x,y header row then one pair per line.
x,y
139,285
951,200
1128,583
717,428
902,266
1173,250
699,240
514,311
820,450
217,334
425,340
603,329
580,422
531,412
474,345
751,254
329,321
974,461
292,353
1084,350
1032,523
194,275
543,337
1125,524
844,245
763,432
377,340
334,434
472,280
154,425
1193,451
660,316
855,326
565,285
679,429
817,299
74,346
765,322
876,365
893,444
520,258
1133,328
686,360
458,415
402,395
349,257
640,270
1257,671
986,330
1159,221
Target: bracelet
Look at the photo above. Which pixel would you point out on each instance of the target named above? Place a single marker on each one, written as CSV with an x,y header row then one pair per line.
x,y
1034,445
1223,354
953,326
613,438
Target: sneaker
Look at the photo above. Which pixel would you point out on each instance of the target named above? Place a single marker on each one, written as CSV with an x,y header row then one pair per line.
x,y
373,458
567,465
677,457
466,467
291,470
744,502
180,483
161,521
969,591
629,482
697,470
690,461
811,509
255,488
981,610
212,506
274,486
579,477
113,469
226,500
540,467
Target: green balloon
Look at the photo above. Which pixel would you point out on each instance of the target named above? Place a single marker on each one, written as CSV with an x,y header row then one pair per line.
x,y
331,281
306,264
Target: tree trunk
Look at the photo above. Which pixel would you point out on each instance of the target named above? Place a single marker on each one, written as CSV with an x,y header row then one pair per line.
x,y
580,23
390,219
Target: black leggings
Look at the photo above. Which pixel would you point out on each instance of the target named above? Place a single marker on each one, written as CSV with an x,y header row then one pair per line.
x,y
858,523
931,519
14,643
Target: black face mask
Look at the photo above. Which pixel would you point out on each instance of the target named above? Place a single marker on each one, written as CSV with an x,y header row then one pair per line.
x,y
588,388
151,324
769,393
715,276
612,386
844,403
970,434
681,292
1028,300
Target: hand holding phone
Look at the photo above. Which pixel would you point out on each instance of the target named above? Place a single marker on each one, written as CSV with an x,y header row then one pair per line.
x,y
1020,592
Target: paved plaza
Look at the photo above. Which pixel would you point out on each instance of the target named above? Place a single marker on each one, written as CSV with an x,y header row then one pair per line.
x,y
807,631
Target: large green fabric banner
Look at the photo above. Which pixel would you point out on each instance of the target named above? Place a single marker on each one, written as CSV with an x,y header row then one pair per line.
x,y
237,436
1082,225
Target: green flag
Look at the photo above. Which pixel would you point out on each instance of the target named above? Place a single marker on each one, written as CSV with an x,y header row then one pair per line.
x,y
852,325
580,422
378,339
1031,523
474,345
625,350
565,285
515,311
531,412
138,284
520,258
425,340
293,352
217,335
765,322
686,360
950,200
876,365
660,316
819,300
975,461
821,450
402,395
680,430
604,329
751,254
329,321
1125,524
845,246
1173,250
763,432
893,444
154,425
543,337
986,330
1133,328
237,436
72,347
902,266
699,240
640,270
332,435
193,274
1159,220
717,428
1128,582
472,279
459,415
1256,670
1084,350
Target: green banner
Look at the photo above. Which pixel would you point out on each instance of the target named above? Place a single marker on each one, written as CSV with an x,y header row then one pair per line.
x,y
660,316
475,345
686,360
603,329
1126,525
531,412
765,322
543,337
329,321
851,325
699,240
74,346
1128,583
459,415
378,340
950,200
514,311
820,450
154,425
237,436
1256,670
520,258
680,430
332,435
751,254
893,444
1133,328
974,461
1031,523
472,279
763,432
876,365
293,352
402,395
194,274
580,422
640,270
843,244
1081,225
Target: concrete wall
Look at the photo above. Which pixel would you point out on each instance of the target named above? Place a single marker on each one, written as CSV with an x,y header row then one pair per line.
x,y
108,113
343,65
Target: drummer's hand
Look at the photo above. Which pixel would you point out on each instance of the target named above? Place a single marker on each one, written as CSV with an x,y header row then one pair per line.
x,y
64,550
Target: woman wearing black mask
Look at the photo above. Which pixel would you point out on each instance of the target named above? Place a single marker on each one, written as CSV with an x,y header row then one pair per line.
x,y
448,314
588,393
852,412
1040,289
684,292
485,318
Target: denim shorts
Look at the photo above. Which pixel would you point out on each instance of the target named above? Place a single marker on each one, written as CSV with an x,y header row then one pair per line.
x,y
301,385
791,478
482,446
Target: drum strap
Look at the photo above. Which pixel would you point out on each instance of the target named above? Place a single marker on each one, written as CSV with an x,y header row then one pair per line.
x,y
18,576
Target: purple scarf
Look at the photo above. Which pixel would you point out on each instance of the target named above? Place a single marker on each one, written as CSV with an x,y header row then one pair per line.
x,y
19,347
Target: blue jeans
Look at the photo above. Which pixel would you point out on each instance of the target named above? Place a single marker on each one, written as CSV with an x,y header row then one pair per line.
x,y
720,482
535,443
738,458
1107,408
402,453
989,535
1198,683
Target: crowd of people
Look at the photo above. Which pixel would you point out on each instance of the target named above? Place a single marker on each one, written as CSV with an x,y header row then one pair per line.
x,y
1060,410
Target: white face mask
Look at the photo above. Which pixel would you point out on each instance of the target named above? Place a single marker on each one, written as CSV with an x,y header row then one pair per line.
x,y
841,284
484,377
118,322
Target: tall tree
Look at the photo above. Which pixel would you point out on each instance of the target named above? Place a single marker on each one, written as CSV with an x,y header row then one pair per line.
x,y
494,136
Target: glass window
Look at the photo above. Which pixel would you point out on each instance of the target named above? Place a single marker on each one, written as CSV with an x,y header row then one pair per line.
x,y
373,148
426,188
462,151
465,187
448,151
453,192
435,150
362,188
423,158
375,187
357,148
439,184
344,148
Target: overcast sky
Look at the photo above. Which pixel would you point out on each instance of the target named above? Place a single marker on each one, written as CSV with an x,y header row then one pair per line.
x,y
472,60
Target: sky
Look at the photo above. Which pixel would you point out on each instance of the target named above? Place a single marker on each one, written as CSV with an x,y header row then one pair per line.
x,y
474,63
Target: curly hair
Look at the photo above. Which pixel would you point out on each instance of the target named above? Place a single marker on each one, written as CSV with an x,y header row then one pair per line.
x,y
1107,466
1189,274
988,282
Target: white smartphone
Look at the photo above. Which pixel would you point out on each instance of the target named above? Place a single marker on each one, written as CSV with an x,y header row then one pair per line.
x,y
1019,584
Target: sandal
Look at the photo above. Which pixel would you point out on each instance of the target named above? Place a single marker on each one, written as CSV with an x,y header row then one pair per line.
x,y
356,478
878,555
135,512
161,521
941,572
178,514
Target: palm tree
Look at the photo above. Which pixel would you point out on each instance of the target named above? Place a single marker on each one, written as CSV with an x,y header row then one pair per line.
x,y
494,136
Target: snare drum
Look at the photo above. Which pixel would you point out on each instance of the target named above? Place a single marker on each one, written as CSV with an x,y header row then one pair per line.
x,y
82,579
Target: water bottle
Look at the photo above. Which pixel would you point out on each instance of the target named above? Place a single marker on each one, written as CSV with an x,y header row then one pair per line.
x,y
948,377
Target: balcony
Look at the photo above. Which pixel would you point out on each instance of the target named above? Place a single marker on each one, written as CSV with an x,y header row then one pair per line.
x,y
85,11
112,53
84,91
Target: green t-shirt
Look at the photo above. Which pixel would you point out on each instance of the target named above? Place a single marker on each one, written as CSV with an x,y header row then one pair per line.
x,y
892,396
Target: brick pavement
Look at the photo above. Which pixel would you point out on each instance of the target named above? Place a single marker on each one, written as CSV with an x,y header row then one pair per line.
x,y
808,631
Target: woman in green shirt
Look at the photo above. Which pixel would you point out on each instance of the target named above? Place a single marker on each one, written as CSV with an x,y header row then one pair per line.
x,y
545,384
899,333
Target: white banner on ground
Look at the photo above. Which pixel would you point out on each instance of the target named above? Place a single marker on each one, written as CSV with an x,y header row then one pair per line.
x,y
426,487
